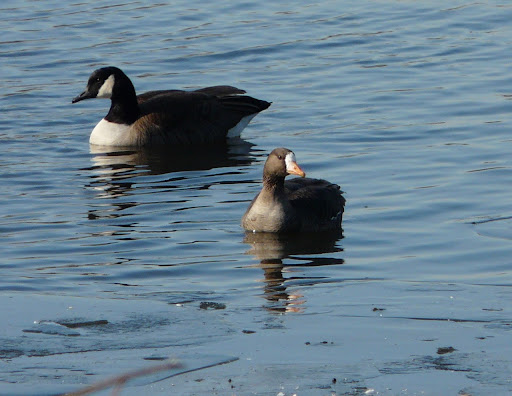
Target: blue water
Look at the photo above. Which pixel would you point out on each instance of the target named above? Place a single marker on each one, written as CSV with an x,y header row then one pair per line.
x,y
406,105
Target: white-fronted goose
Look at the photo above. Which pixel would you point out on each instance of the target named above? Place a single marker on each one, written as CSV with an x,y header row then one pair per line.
x,y
297,205
204,116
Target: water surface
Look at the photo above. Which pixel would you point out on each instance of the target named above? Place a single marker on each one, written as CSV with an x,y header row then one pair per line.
x,y
406,105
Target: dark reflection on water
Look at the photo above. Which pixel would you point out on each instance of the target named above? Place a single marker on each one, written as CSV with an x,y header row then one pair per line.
x,y
114,171
122,163
271,249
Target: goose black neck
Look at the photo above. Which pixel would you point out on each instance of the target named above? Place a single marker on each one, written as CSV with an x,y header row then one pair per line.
x,y
124,108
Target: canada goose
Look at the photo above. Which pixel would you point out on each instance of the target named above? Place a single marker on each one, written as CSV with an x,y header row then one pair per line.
x,y
297,205
204,116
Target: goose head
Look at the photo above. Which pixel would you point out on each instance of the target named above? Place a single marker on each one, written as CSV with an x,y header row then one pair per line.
x,y
108,83
280,163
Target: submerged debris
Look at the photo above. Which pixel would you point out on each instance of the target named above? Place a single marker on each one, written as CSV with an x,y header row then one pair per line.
x,y
74,325
211,305
444,350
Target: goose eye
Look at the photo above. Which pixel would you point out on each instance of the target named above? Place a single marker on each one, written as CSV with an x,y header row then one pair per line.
x,y
280,157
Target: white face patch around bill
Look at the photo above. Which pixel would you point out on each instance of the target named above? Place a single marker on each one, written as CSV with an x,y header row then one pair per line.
x,y
106,89
289,160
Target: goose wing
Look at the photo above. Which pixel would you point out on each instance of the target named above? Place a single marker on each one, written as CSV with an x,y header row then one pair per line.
x,y
217,90
318,203
181,117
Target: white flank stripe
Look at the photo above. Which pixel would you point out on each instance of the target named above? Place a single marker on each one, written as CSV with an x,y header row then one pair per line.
x,y
238,128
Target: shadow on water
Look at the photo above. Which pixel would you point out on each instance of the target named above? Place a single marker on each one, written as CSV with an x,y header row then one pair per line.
x,y
271,249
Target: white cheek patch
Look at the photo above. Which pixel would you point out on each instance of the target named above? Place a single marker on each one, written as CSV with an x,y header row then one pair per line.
x,y
107,87
289,159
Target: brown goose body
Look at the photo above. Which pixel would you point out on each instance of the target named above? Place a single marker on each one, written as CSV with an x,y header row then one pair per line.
x,y
297,205
204,116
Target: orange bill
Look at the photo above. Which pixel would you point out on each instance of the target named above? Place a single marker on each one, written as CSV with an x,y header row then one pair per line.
x,y
293,169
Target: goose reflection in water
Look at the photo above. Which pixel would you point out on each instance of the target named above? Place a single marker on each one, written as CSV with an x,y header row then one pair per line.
x,y
272,248
116,162
114,170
